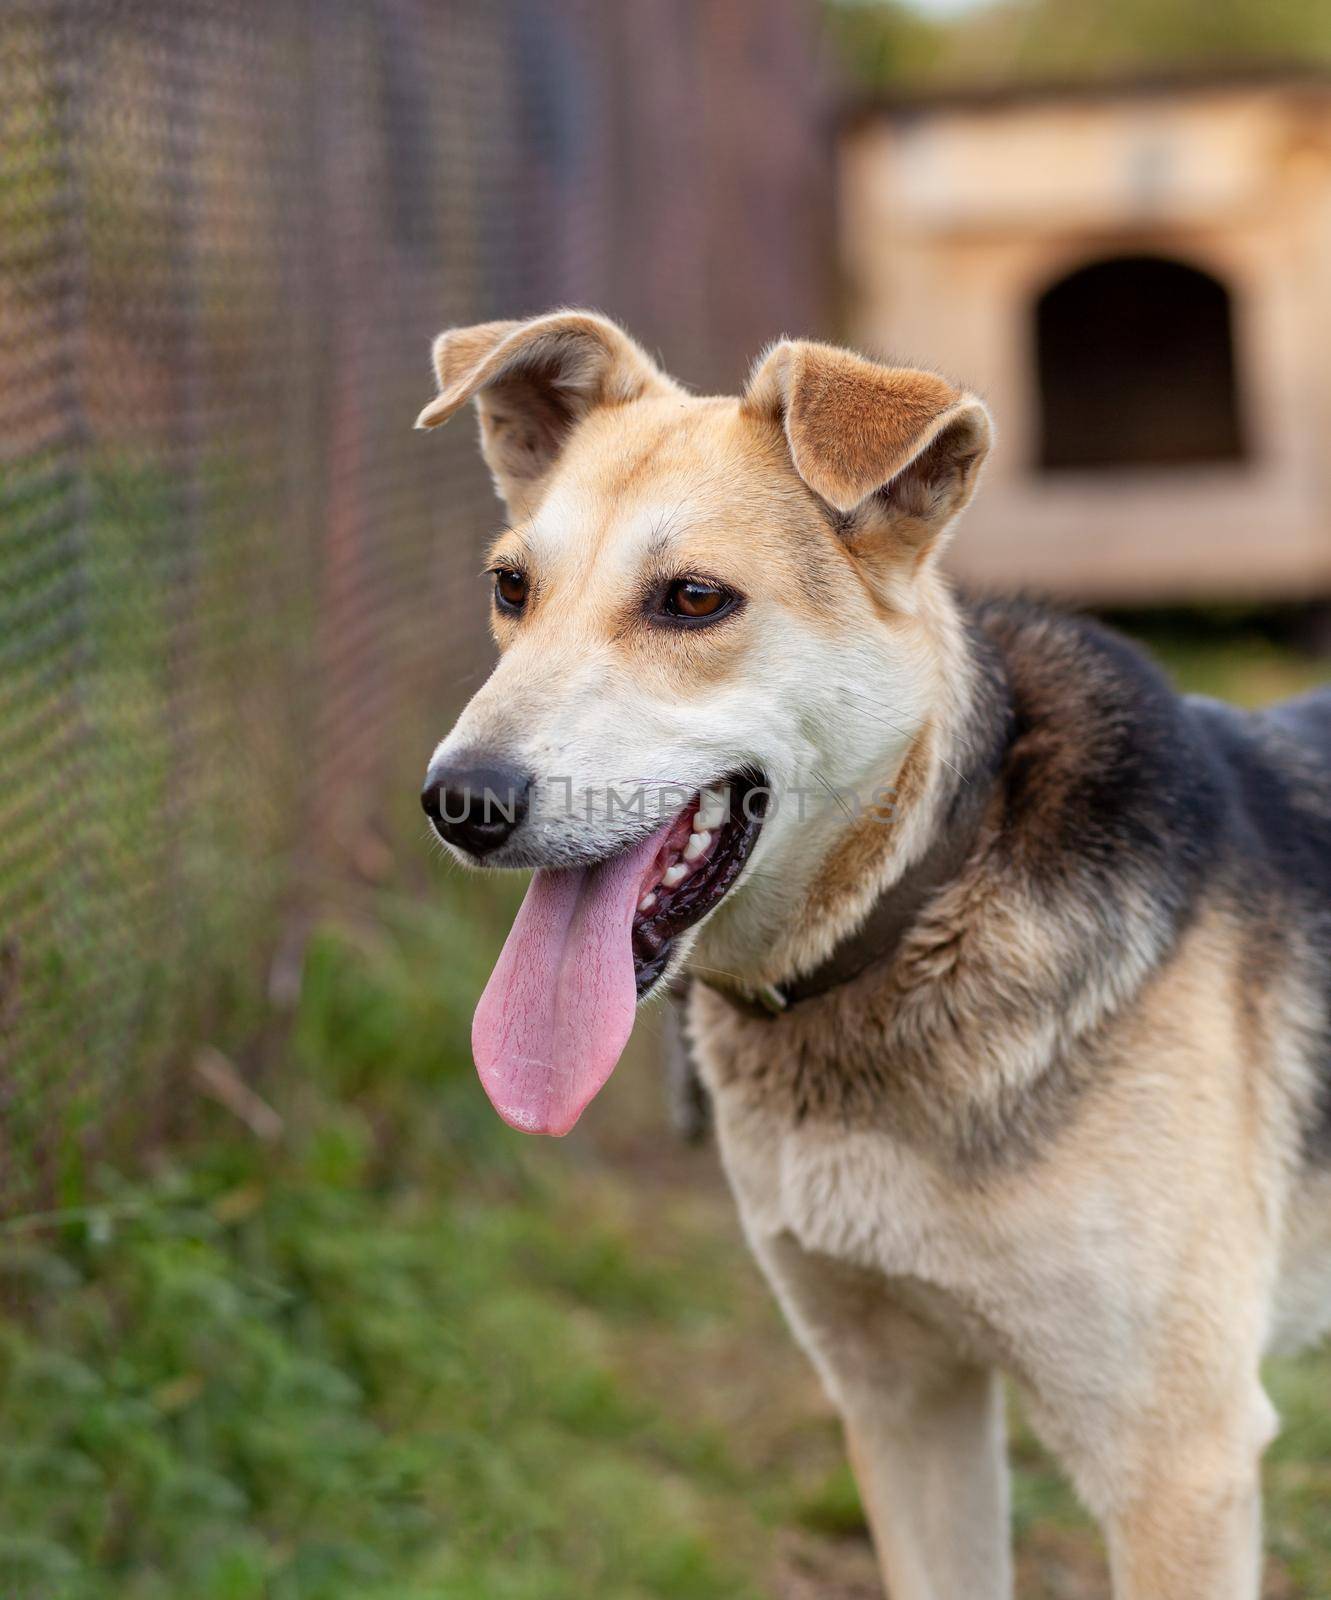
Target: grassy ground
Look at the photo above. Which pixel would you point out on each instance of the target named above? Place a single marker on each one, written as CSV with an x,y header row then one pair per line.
x,y
400,1352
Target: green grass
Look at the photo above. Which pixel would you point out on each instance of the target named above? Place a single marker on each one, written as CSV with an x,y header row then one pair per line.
x,y
1230,657
370,1363
290,1386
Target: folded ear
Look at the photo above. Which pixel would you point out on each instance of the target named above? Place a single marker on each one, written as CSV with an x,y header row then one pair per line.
x,y
532,383
882,445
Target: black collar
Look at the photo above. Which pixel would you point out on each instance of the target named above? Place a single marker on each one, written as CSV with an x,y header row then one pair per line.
x,y
879,936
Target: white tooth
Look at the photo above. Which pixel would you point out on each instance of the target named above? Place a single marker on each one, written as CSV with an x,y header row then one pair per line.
x,y
647,902
673,875
714,809
698,842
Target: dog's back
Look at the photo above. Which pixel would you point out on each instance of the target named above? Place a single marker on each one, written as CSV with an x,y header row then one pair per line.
x,y
1307,720
1275,767
1181,806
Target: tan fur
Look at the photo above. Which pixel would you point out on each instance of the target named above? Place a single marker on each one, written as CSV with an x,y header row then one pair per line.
x,y
1121,1279
1097,1190
854,425
532,381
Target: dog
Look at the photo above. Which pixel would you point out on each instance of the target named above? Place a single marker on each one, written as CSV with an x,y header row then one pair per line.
x,y
1018,1044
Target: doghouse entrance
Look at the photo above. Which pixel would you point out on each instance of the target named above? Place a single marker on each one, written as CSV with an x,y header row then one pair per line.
x,y
1135,358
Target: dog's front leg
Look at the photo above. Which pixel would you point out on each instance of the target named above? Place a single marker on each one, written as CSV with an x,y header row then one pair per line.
x,y
931,1473
1189,1528
925,1430
1176,1486
1190,1540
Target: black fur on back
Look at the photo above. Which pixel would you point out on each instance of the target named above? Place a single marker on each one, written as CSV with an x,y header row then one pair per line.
x,y
1277,770
1119,790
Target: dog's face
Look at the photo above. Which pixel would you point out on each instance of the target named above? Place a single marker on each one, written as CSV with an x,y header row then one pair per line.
x,y
716,622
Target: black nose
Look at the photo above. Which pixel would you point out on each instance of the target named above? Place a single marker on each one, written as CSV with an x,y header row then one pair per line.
x,y
475,807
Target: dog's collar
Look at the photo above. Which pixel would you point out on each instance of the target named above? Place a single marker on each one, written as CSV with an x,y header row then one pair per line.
x,y
879,936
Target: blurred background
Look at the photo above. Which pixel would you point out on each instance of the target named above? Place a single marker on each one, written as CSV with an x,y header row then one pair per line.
x,y
288,1313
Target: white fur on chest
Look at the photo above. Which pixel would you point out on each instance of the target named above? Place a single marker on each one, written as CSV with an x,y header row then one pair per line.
x,y
1013,1277
868,1200
858,1196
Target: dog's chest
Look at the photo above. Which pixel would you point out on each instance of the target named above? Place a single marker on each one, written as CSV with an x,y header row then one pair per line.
x,y
861,1197
868,1202
840,1186
1000,1281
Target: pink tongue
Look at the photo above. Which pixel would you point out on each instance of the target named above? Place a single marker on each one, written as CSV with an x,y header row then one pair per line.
x,y
558,1009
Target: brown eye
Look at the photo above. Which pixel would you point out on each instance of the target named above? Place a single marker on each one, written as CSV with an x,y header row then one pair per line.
x,y
695,600
510,589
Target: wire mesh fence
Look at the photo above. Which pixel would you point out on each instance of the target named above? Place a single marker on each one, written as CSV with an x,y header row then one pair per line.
x,y
237,592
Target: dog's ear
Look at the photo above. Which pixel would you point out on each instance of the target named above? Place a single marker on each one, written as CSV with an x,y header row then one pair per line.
x,y
888,447
532,383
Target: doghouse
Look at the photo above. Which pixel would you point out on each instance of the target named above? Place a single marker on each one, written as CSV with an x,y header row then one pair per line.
x,y
1137,275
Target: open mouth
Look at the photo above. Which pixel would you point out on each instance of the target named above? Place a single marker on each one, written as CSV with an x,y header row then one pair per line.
x,y
696,867
588,942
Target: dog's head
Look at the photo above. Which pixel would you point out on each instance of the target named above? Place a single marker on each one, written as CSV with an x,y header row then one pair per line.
x,y
710,613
